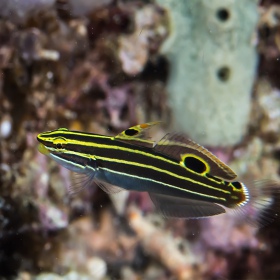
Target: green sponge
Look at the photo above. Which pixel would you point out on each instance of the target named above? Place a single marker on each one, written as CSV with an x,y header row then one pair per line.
x,y
213,61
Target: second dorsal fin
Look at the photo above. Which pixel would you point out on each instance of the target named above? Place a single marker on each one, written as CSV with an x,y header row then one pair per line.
x,y
177,145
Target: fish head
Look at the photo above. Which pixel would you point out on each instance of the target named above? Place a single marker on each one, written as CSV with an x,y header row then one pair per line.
x,y
56,144
52,141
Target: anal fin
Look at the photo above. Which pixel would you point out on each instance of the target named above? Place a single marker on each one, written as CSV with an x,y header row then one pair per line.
x,y
176,207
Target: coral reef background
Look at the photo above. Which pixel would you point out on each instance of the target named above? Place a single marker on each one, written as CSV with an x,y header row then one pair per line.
x,y
99,66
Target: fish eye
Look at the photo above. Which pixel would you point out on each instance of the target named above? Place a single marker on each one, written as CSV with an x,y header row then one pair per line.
x,y
131,132
59,146
195,164
59,142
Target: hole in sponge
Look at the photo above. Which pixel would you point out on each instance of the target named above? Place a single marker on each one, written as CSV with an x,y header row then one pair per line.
x,y
223,73
223,14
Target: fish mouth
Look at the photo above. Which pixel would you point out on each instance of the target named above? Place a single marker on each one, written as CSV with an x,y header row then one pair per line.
x,y
41,147
43,150
39,137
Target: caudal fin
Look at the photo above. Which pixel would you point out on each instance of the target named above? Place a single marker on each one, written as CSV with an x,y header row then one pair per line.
x,y
263,202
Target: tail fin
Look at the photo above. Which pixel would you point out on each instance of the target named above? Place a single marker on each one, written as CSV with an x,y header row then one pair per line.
x,y
263,202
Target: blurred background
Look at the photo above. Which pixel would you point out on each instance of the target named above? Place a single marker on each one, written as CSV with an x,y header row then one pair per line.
x,y
209,69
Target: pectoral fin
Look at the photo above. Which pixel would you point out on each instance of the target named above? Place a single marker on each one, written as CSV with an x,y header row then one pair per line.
x,y
106,187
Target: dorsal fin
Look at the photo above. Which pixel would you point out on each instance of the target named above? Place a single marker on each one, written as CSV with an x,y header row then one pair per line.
x,y
138,135
176,145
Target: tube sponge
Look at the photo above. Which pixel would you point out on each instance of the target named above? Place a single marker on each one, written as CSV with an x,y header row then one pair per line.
x,y
212,66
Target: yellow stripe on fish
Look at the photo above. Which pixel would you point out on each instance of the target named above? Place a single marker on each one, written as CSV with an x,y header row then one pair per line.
x,y
182,178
